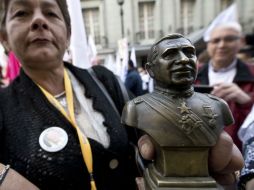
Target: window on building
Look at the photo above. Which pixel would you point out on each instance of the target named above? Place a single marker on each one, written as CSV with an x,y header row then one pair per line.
x,y
92,23
187,16
146,20
225,3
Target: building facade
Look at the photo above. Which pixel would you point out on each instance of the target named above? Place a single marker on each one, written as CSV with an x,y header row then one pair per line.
x,y
144,21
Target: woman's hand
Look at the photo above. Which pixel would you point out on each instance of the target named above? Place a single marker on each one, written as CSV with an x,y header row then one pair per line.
x,y
146,147
14,181
250,185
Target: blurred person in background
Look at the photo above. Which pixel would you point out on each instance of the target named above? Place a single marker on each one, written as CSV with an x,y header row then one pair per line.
x,y
145,79
246,53
232,80
133,81
203,58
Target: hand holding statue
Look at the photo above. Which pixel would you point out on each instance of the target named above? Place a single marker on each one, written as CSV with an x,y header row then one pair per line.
x,y
224,158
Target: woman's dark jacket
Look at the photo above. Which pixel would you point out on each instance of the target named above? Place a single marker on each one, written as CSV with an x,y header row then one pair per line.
x,y
25,113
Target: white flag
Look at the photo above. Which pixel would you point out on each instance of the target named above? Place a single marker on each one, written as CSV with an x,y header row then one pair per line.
x,y
3,60
78,44
133,56
92,52
122,58
229,15
110,63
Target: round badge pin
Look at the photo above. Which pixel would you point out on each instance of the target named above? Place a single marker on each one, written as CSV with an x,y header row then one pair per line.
x,y
53,139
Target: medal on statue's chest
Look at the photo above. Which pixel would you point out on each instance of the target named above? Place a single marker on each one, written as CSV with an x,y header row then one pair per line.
x,y
190,121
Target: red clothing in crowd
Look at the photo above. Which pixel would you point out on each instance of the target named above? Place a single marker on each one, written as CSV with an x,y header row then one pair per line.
x,y
13,67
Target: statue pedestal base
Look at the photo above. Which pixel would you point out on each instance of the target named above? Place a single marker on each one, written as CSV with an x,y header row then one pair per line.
x,y
154,181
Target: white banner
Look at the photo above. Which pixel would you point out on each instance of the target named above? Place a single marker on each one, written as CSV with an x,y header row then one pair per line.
x,y
122,58
133,56
78,44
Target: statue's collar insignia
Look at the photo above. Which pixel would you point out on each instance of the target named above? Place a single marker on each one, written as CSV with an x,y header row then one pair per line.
x,y
173,93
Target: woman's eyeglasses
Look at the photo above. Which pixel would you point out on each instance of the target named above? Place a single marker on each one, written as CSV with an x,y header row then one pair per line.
x,y
226,39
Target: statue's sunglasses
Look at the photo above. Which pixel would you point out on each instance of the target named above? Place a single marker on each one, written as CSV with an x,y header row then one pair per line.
x,y
226,39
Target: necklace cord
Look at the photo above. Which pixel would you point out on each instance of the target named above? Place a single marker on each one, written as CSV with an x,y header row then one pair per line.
x,y
83,140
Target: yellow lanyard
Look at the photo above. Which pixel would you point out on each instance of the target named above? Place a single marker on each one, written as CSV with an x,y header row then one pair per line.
x,y
84,143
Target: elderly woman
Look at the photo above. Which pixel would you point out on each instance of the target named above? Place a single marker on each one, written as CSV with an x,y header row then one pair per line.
x,y
58,130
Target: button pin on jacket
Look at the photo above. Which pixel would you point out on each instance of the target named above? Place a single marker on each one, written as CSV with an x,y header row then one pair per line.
x,y
53,139
113,164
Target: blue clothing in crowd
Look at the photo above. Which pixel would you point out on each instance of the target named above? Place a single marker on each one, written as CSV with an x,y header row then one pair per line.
x,y
133,82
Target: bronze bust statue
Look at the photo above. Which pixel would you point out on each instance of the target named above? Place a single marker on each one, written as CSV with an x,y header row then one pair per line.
x,y
182,124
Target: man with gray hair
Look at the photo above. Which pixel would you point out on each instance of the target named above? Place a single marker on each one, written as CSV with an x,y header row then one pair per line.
x,y
231,79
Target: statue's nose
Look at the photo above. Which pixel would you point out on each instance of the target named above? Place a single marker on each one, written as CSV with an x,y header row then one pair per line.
x,y
183,57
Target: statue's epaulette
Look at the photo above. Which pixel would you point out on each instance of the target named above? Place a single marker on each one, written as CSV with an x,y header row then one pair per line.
x,y
214,97
138,100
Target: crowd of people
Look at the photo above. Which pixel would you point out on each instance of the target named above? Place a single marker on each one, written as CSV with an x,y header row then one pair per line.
x,y
60,126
